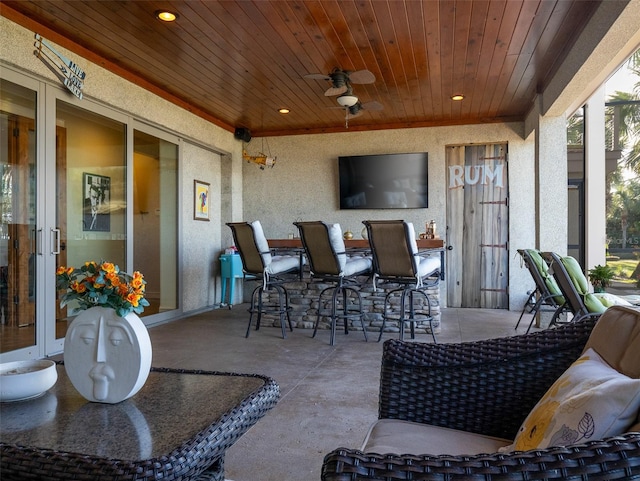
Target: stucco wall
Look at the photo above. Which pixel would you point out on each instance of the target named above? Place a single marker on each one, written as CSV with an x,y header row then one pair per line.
x,y
303,185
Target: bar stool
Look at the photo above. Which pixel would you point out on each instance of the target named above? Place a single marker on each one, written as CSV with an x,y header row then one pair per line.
x,y
269,269
396,260
329,262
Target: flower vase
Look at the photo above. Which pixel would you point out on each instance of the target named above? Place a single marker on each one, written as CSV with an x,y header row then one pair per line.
x,y
107,357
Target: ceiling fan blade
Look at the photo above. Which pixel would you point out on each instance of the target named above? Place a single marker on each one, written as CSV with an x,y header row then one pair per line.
x,y
317,76
373,105
362,77
335,91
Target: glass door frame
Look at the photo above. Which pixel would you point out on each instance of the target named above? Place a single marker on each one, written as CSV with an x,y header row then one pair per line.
x,y
36,350
51,239
140,126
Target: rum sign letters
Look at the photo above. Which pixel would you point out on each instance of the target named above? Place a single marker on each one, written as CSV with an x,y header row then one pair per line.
x,y
474,174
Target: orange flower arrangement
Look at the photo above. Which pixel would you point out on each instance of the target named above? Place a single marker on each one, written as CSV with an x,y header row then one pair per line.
x,y
102,285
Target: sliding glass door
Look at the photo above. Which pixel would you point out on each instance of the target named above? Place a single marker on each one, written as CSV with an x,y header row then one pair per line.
x,y
18,200
91,189
155,218
79,182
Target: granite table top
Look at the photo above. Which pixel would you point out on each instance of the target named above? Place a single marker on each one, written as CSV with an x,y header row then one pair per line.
x,y
176,427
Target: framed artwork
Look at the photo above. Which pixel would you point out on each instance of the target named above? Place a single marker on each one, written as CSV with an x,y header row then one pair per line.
x,y
200,200
96,199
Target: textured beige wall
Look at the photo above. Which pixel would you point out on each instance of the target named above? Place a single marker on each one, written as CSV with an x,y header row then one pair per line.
x,y
303,185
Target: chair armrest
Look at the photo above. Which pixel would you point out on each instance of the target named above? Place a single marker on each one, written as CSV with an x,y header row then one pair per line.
x,y
486,387
612,458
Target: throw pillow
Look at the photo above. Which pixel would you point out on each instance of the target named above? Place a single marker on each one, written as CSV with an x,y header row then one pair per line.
x,y
591,400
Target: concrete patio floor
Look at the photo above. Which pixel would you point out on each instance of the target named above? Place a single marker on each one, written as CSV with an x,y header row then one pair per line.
x,y
329,395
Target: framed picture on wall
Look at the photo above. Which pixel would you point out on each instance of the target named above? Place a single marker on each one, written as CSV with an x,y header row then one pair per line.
x,y
200,200
96,199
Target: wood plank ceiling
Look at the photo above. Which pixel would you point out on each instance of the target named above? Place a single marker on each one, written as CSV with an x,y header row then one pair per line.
x,y
237,62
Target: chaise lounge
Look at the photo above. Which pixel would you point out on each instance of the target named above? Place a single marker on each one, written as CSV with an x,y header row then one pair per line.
x,y
453,411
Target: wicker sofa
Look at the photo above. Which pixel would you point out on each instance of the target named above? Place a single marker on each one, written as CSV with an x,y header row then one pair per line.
x,y
489,387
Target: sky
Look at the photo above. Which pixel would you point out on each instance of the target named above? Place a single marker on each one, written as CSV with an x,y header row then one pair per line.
x,y
623,80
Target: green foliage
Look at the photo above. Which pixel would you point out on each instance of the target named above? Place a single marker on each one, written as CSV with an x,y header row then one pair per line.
x,y
623,214
102,284
600,276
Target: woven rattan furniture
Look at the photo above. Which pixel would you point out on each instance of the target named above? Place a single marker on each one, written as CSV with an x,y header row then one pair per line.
x,y
177,427
487,387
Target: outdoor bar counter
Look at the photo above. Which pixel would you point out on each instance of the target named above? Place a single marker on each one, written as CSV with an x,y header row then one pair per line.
x,y
303,293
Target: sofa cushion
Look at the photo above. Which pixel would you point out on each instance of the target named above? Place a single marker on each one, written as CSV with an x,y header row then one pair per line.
x,y
616,337
591,400
403,437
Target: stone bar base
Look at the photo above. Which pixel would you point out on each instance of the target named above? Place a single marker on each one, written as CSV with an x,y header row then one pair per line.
x,y
303,298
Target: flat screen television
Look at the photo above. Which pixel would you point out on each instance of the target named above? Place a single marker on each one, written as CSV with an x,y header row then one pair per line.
x,y
387,181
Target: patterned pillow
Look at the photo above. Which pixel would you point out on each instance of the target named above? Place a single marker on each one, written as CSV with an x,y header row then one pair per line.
x,y
590,401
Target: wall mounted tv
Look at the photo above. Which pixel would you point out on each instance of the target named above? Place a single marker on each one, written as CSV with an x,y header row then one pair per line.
x,y
388,181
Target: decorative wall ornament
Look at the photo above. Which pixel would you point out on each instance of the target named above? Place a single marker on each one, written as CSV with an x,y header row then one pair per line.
x,y
200,200
261,159
69,73
96,197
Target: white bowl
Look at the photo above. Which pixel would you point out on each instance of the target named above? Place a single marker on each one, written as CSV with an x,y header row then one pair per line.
x,y
21,380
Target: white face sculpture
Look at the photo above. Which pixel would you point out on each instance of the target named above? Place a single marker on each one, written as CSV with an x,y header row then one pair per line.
x,y
103,356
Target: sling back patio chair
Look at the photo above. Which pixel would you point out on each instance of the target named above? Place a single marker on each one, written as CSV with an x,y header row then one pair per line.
x,y
259,263
574,286
329,263
546,297
396,260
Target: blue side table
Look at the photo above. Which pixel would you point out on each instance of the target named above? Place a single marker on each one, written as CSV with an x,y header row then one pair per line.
x,y
230,270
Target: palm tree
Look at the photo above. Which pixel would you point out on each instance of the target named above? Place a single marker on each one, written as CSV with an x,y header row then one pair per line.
x,y
625,209
627,109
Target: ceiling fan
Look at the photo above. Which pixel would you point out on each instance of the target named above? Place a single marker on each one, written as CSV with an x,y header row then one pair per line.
x,y
341,81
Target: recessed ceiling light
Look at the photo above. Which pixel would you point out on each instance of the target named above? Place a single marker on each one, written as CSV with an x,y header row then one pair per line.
x,y
166,16
457,97
283,110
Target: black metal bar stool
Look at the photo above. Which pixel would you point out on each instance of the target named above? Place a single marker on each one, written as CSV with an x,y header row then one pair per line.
x,y
329,262
268,269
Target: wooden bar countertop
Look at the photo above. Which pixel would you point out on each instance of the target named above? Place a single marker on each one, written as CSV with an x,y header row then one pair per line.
x,y
353,243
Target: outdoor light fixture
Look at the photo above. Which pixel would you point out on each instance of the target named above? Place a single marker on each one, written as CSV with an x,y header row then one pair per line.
x,y
347,100
166,16
457,97
284,110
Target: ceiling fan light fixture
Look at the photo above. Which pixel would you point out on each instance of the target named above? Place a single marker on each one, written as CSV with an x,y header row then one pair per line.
x,y
166,16
347,100
457,97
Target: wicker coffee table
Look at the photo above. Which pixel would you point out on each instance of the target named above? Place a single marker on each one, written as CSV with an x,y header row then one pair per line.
x,y
177,427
